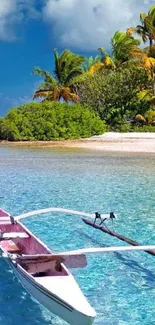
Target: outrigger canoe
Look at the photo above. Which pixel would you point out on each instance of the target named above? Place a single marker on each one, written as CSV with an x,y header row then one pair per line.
x,y
45,274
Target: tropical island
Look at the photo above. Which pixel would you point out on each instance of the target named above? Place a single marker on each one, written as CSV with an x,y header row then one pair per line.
x,y
85,97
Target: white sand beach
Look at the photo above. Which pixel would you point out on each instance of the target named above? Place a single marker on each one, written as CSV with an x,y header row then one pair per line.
x,y
110,141
122,142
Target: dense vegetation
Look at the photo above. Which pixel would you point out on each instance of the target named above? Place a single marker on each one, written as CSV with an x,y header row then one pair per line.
x,y
114,96
50,121
114,91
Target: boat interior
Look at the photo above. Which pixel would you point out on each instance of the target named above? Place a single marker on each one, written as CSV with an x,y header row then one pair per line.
x,y
16,239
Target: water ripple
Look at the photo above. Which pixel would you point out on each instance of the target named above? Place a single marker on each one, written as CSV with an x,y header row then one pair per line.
x,y
120,286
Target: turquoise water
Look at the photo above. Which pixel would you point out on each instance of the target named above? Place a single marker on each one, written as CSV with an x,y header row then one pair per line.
x,y
120,286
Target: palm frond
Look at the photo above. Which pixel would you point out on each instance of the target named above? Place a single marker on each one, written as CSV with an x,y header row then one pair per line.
x,y
74,97
140,118
68,66
90,62
66,63
47,76
57,70
96,67
144,95
122,46
147,28
152,10
103,52
142,17
41,93
130,31
70,79
109,62
151,13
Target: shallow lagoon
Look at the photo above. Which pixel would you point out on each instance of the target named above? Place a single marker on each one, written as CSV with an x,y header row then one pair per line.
x,y
120,286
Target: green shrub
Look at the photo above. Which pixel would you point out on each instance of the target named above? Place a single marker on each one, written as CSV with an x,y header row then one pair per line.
x,y
134,128
8,130
124,128
144,128
50,121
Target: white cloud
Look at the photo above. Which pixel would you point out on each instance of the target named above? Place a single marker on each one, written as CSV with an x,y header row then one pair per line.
x,y
88,24
84,24
14,12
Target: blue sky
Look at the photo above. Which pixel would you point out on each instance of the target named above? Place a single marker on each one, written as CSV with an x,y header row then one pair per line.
x,y
31,29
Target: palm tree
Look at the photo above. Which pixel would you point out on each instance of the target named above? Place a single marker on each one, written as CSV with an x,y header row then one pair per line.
x,y
68,66
92,65
123,45
147,28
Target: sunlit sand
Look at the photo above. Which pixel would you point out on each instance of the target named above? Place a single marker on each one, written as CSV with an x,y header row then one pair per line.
x,y
110,141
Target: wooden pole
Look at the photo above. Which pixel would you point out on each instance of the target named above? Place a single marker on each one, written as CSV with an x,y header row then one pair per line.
x,y
115,234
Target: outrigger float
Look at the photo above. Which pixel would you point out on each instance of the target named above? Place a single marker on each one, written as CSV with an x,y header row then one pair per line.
x,y
45,274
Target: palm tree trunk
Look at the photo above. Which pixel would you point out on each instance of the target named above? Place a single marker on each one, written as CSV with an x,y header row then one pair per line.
x,y
153,79
151,41
153,83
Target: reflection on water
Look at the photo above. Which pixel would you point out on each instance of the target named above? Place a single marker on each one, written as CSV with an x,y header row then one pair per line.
x,y
16,305
118,285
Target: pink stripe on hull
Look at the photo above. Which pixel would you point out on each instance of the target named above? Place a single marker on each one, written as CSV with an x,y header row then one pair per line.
x,y
4,213
31,246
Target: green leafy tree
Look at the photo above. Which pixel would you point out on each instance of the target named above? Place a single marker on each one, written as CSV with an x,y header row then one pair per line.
x,y
114,95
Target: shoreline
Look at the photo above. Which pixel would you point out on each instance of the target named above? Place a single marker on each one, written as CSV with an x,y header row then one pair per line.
x,y
110,141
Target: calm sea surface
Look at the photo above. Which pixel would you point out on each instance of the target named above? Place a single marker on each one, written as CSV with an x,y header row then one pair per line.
x,y
120,286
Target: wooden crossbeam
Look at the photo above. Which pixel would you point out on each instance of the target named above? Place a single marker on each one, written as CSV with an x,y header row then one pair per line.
x,y
72,261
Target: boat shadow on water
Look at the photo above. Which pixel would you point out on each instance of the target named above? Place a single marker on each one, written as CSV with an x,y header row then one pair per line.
x,y
16,305
147,275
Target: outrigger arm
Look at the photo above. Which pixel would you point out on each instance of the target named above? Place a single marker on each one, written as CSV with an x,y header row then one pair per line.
x,y
94,216
62,210
79,252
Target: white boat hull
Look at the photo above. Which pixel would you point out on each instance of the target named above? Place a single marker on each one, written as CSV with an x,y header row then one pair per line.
x,y
52,302
55,288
